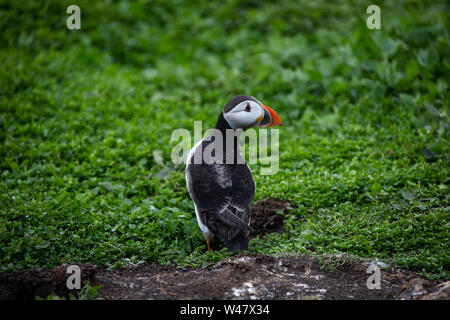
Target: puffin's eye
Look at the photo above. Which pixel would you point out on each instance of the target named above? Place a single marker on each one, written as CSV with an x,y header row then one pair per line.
x,y
248,108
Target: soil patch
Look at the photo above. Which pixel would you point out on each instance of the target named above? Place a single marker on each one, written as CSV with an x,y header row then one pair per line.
x,y
245,276
265,218
29,284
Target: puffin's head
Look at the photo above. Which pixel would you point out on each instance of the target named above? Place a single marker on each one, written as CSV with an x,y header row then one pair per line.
x,y
243,112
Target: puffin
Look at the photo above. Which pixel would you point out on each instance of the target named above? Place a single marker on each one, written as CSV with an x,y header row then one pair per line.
x,y
222,190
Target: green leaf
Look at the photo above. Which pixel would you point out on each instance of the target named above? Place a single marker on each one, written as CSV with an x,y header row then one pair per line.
x,y
431,109
408,195
429,155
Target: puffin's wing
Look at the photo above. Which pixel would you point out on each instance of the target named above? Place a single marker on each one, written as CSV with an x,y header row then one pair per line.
x,y
243,187
215,198
236,219
205,189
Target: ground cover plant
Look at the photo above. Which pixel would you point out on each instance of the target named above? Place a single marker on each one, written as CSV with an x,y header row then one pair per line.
x,y
86,118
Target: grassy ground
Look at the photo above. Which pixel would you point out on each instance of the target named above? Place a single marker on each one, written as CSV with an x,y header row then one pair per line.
x,y
363,148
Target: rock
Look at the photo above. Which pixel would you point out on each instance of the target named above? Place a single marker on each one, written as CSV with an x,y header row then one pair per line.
x,y
442,293
414,288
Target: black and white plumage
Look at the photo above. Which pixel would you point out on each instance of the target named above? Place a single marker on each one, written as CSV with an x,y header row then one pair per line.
x,y
223,190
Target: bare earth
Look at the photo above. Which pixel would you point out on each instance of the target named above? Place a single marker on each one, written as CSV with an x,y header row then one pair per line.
x,y
246,276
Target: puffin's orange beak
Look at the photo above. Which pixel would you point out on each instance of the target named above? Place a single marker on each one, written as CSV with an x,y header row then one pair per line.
x,y
270,118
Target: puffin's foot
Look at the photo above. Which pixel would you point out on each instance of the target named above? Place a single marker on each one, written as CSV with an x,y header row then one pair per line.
x,y
208,243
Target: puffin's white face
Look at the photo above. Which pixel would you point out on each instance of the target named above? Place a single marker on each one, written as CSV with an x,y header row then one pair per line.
x,y
250,113
244,115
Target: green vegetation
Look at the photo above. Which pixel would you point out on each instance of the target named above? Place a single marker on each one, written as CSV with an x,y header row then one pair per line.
x,y
363,148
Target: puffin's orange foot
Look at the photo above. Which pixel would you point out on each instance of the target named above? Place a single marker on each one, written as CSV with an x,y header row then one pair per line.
x,y
208,243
